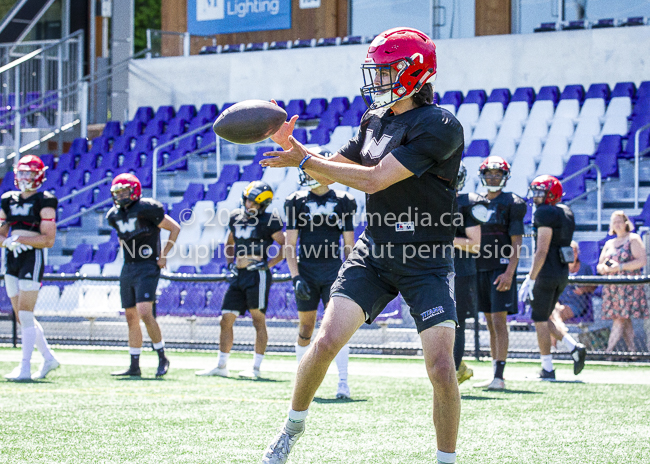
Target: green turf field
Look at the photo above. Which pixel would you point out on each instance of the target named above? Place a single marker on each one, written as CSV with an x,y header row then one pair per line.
x,y
80,414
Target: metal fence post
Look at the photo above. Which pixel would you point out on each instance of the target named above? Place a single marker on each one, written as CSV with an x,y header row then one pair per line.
x,y
477,347
186,44
16,114
14,329
83,108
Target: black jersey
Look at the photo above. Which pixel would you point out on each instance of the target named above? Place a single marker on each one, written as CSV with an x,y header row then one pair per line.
x,y
137,228
464,262
560,219
505,218
428,141
253,235
320,220
25,213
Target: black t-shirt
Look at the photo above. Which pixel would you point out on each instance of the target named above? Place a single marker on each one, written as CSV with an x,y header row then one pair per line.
x,y
25,213
505,218
137,228
464,261
320,220
428,141
560,219
253,235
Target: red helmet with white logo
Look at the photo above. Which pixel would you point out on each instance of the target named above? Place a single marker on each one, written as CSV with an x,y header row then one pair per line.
x,y
29,173
547,187
126,181
494,162
410,58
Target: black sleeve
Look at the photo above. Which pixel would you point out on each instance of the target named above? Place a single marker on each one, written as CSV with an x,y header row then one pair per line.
x,y
352,150
518,210
468,219
544,217
4,203
349,210
291,210
274,224
49,201
155,212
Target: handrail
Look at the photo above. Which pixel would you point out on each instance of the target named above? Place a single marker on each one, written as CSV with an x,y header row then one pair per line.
x,y
87,187
81,213
599,190
636,164
154,167
22,59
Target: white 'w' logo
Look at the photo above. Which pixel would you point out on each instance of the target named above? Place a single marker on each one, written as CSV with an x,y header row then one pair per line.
x,y
128,226
325,210
373,148
244,232
23,210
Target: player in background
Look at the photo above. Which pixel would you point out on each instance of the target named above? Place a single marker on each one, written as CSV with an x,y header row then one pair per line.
x,y
501,237
252,231
467,245
318,216
406,157
549,273
138,222
27,225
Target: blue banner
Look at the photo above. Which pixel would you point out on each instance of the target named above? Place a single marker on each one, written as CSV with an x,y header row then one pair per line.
x,y
208,17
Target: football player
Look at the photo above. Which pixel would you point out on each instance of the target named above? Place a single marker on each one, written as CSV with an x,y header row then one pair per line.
x,y
472,206
28,224
501,237
138,222
252,231
406,157
319,216
554,224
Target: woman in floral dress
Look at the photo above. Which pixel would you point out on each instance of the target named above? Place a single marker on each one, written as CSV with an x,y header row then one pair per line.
x,y
623,255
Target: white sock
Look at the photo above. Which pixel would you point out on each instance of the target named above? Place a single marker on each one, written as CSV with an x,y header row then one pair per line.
x,y
298,416
41,342
569,342
257,361
446,458
296,421
159,345
494,367
223,360
28,335
300,351
342,363
547,362
135,351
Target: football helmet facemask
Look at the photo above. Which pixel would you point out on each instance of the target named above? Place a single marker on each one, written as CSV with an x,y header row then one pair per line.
x,y
490,163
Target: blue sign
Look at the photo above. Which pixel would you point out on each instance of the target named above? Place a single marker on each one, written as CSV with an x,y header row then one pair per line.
x,y
209,17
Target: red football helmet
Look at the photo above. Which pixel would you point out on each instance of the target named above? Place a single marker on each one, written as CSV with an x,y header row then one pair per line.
x,y
29,173
409,54
494,162
547,187
126,181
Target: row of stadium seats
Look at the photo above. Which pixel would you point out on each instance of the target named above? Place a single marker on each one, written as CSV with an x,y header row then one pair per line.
x,y
285,44
597,24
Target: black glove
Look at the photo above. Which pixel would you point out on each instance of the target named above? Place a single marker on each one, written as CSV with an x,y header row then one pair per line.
x,y
301,288
257,266
231,273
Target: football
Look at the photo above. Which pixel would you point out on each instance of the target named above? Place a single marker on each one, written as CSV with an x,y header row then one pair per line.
x,y
250,121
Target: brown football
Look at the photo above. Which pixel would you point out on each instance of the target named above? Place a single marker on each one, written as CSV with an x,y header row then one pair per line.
x,y
250,121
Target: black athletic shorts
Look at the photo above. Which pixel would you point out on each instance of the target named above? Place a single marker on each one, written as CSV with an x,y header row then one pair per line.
x,y
430,296
546,293
319,276
466,296
249,290
27,266
489,299
138,283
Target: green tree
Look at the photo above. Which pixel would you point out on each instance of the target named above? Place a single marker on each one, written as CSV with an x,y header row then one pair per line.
x,y
146,16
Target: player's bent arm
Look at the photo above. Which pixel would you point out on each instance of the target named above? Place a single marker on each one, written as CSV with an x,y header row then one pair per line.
x,y
4,227
472,242
279,238
174,229
603,268
290,251
348,243
638,253
544,236
229,249
48,231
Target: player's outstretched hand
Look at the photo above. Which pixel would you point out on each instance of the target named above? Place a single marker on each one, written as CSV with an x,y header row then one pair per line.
x,y
300,288
288,158
281,137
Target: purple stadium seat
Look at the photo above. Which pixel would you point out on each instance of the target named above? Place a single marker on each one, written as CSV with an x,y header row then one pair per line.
x,y
79,146
392,312
358,230
95,176
573,92
8,182
359,104
478,148
610,144
195,299
82,254
226,106
48,160
176,210
231,48
254,47
546,27
351,117
229,173
193,193
549,92
87,161
452,97
476,96
144,114
213,307
326,42
109,161
5,303
608,164
526,94
252,172
145,176
351,40
217,192
339,105
106,253
576,25
329,120
144,145
170,299
259,154
206,114
211,268
315,108
300,135
576,186
112,129
528,217
132,129
176,127
644,217
598,91
589,252
319,136
603,23
75,179
500,95
165,113
186,270
644,136
208,142
154,128
186,112
123,144
634,21
295,107
624,89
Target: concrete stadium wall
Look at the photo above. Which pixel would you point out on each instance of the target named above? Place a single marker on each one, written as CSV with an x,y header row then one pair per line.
x,y
561,58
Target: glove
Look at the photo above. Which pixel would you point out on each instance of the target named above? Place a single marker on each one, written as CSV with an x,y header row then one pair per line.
x,y
20,247
10,243
526,289
301,288
257,266
231,273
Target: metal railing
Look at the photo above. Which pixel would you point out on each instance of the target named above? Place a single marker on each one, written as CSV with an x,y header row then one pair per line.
x,y
169,43
637,156
598,189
